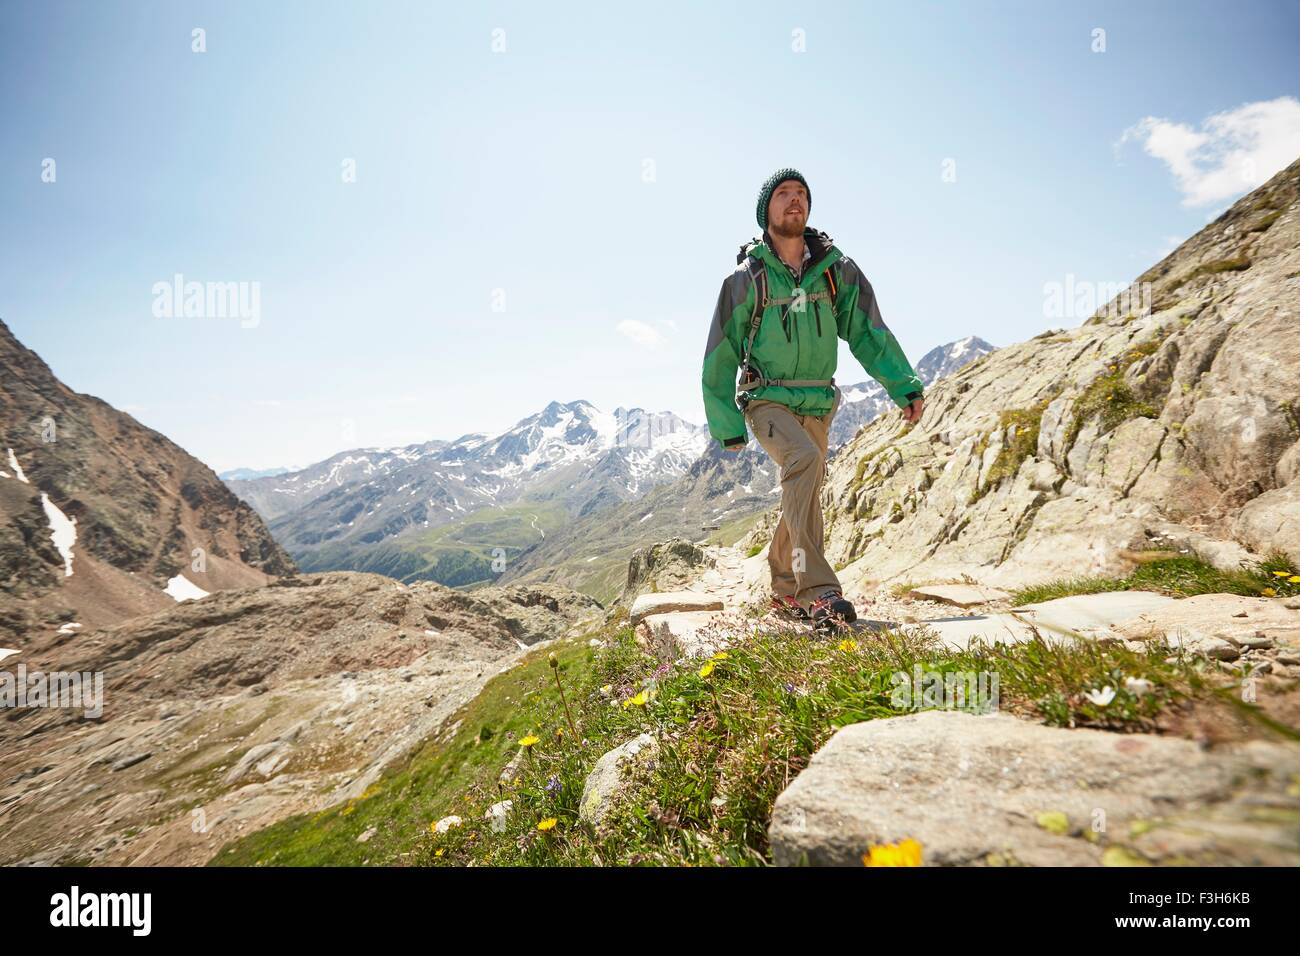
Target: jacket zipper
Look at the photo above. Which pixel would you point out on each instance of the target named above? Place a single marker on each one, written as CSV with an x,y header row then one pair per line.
x,y
797,280
784,315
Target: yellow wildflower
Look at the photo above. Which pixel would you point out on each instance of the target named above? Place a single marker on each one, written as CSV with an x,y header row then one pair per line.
x,y
547,824
1280,574
720,656
707,669
440,851
848,645
904,853
1293,579
1268,592
529,741
640,700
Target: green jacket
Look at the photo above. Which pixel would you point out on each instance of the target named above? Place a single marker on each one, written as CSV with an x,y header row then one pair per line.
x,y
803,345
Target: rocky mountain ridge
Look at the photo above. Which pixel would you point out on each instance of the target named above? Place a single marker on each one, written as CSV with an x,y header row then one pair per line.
x,y
102,518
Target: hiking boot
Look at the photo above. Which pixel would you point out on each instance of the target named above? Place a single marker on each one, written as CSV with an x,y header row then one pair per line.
x,y
832,609
787,606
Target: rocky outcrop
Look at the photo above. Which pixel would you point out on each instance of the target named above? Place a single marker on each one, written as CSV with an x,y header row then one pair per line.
x,y
647,605
864,401
663,566
995,790
1174,427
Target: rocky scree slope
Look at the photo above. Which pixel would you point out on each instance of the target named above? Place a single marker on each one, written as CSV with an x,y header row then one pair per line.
x,y
225,714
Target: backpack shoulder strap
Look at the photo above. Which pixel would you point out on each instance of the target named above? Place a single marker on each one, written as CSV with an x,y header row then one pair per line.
x,y
760,301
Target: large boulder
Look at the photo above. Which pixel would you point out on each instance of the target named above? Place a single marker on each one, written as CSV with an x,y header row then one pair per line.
x,y
663,566
1272,522
993,789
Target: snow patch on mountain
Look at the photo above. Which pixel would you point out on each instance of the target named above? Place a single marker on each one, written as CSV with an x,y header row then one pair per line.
x,y
63,530
18,470
181,588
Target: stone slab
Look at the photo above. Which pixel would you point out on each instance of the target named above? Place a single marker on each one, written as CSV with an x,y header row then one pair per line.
x,y
685,633
1091,615
958,633
666,601
962,595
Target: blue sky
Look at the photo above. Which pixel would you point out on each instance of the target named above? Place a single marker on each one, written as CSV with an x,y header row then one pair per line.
x,y
596,177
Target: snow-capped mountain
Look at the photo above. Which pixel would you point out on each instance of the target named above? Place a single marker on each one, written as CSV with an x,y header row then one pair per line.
x,y
572,456
946,359
635,448
275,495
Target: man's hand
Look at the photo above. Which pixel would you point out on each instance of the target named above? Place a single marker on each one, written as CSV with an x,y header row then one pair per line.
x,y
913,411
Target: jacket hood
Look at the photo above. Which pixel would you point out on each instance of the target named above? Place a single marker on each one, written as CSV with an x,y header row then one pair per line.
x,y
819,243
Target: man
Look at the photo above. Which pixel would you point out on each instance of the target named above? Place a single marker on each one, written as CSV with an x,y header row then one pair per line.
x,y
779,319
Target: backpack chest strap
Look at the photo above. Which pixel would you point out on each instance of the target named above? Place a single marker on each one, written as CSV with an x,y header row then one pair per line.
x,y
789,299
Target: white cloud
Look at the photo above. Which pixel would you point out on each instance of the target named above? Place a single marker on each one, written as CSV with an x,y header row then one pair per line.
x,y
640,333
1233,151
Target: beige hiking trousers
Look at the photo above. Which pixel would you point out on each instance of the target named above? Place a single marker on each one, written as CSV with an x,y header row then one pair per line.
x,y
798,445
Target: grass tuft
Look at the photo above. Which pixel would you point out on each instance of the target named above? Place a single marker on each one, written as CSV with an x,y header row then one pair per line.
x,y
1109,397
1178,577
1021,445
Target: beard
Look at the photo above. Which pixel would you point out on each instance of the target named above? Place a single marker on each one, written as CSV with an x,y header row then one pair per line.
x,y
788,226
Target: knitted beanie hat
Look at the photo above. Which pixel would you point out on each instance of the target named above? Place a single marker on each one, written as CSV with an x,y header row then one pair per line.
x,y
769,187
